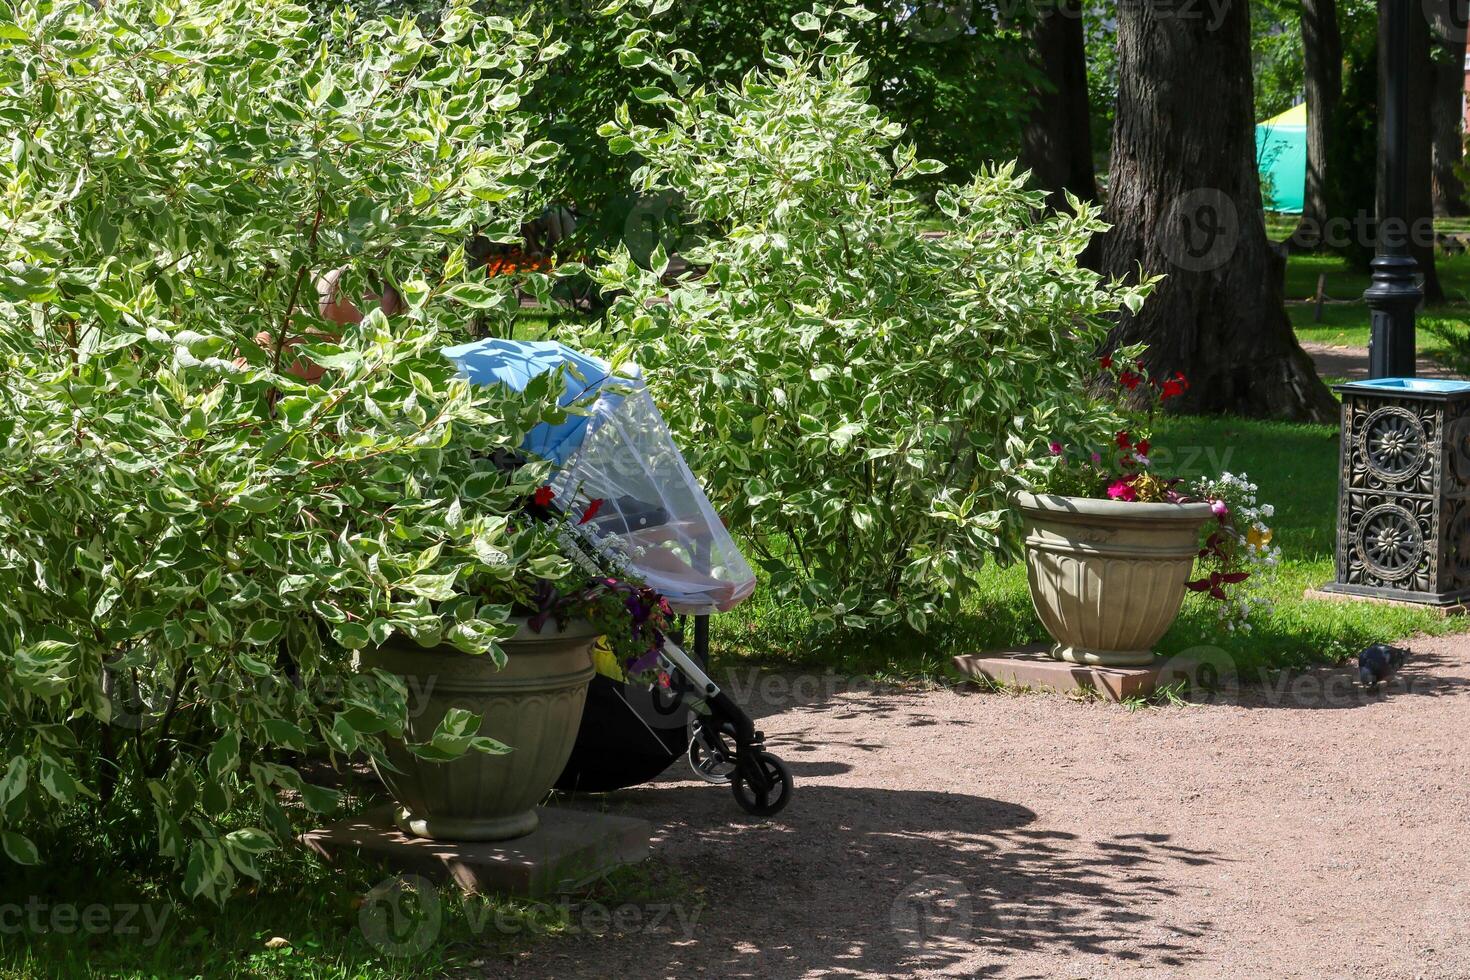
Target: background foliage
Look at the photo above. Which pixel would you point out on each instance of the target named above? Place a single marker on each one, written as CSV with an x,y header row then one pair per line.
x,y
954,72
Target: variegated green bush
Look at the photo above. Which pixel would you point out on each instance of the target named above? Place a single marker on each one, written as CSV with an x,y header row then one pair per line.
x,y
192,539
860,396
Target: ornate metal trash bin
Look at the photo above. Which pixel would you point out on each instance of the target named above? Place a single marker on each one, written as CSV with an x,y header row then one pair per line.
x,y
1403,510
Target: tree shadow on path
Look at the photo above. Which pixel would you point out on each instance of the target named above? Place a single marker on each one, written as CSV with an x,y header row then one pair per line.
x,y
855,881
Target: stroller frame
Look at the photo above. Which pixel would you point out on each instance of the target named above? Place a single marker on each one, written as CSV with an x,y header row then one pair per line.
x,y
724,744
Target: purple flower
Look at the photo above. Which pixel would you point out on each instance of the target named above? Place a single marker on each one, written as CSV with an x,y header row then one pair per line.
x,y
1219,508
643,662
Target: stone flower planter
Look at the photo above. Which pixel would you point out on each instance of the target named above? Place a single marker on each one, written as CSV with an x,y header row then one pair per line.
x,y
1107,576
533,704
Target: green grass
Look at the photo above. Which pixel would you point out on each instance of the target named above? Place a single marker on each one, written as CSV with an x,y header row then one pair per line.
x,y
1295,467
1345,319
1347,325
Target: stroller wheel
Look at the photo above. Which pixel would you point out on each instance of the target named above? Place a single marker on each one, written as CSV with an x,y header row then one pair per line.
x,y
770,800
708,761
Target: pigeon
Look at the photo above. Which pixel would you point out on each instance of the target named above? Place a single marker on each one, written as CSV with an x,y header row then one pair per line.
x,y
1378,663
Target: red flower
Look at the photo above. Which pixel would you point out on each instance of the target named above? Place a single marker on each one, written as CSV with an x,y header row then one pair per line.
x,y
1174,387
591,511
1105,362
1124,441
543,496
1142,447
1130,380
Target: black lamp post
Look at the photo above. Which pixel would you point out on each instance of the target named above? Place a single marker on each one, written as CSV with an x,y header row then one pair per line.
x,y
1395,292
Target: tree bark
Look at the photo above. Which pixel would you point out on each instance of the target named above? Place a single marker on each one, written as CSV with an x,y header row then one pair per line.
x,y
1419,216
1056,143
1322,51
1352,179
1447,110
1184,200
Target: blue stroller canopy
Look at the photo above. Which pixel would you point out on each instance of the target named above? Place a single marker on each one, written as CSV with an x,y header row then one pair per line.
x,y
514,363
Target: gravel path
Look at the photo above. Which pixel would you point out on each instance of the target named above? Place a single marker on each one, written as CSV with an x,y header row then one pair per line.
x,y
1340,361
1309,830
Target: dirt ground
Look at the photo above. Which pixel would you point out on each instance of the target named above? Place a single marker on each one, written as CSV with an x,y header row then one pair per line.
x,y
1340,361
1303,830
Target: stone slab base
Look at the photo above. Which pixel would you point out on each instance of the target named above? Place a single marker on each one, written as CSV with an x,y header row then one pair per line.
x,y
1453,609
1033,667
569,849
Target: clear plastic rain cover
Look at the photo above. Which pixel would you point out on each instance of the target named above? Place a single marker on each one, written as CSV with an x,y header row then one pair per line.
x,y
653,513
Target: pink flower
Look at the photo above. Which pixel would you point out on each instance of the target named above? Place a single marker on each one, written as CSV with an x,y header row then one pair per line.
x,y
1097,457
1056,448
1122,490
1219,508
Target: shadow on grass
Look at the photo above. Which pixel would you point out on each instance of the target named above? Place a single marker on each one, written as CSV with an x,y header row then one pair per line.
x,y
100,910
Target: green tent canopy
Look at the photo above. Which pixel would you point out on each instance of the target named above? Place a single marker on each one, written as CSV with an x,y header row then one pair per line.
x,y
1281,155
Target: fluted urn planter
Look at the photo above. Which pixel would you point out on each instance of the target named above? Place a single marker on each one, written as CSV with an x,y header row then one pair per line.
x,y
1107,576
533,704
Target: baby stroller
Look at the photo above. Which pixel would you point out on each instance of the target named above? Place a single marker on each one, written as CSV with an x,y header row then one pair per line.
x,y
655,521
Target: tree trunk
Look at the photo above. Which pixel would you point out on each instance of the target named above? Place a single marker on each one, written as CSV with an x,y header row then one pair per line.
x,y
1447,111
1322,49
1056,144
1352,179
1184,200
1419,217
